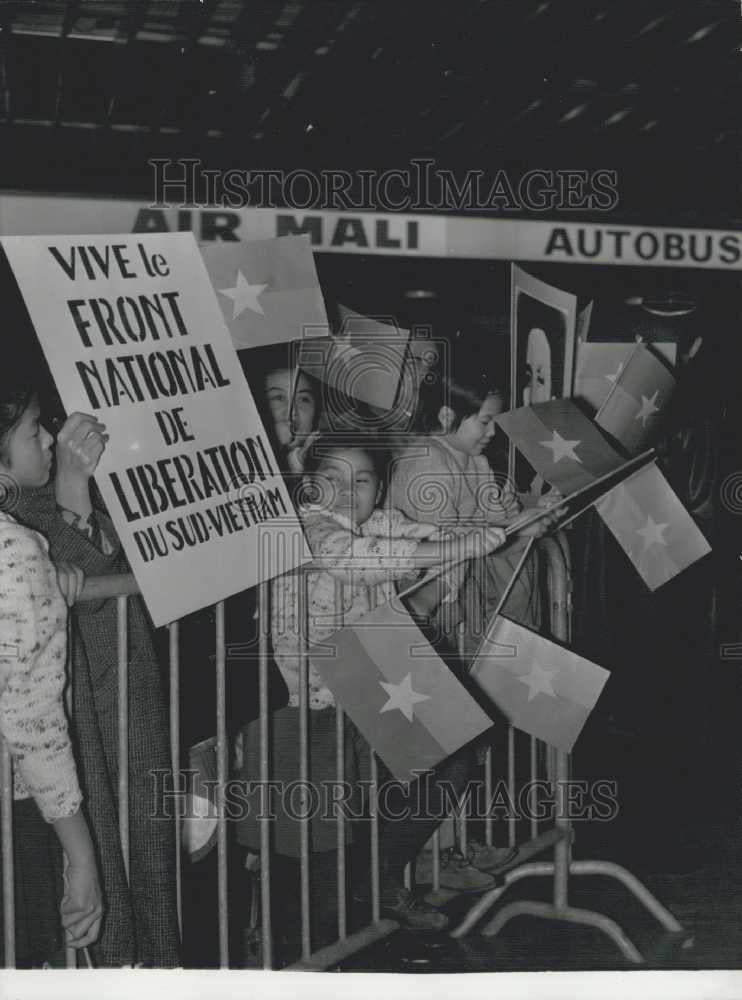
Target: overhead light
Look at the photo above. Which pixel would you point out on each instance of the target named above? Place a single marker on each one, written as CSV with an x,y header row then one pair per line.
x,y
420,293
669,305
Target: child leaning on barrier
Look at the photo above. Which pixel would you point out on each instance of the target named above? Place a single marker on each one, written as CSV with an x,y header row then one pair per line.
x,y
140,923
33,651
444,476
363,549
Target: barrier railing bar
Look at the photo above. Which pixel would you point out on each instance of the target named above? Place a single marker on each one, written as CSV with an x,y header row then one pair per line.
x,y
174,658
221,777
511,785
265,830
341,871
123,726
559,627
7,854
460,820
375,900
375,870
534,776
325,958
306,937
488,796
101,588
407,876
340,819
436,860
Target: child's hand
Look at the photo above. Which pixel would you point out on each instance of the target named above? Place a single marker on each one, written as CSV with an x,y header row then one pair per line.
x,y
545,525
283,433
297,451
82,904
550,499
71,580
80,444
481,541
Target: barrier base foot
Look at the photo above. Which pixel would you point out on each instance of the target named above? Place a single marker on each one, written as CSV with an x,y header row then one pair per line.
x,y
335,953
607,869
571,914
637,888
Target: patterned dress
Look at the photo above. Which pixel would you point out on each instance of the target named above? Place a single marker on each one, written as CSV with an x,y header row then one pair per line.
x,y
33,651
140,923
363,564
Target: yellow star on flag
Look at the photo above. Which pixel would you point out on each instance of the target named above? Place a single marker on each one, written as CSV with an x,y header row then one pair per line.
x,y
539,681
652,533
244,296
561,448
402,696
648,408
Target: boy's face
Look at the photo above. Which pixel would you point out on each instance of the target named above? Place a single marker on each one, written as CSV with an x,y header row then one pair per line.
x,y
28,450
474,433
354,486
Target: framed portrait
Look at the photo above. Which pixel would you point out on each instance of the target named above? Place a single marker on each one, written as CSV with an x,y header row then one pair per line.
x,y
542,343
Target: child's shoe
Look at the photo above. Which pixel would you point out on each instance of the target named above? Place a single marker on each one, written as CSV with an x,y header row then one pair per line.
x,y
489,859
456,872
414,913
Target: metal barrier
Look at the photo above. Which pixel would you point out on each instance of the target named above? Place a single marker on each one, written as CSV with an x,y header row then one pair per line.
x,y
558,838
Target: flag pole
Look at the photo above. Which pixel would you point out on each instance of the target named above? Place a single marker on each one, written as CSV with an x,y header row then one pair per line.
x,y
444,567
516,572
613,388
639,461
504,596
626,470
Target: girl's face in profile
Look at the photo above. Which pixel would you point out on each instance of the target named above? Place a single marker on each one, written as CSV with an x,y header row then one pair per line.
x,y
475,432
27,449
301,421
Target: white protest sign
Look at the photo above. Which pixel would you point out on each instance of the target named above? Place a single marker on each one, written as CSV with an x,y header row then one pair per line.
x,y
134,335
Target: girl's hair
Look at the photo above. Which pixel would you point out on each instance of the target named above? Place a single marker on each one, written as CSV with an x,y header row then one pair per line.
x,y
327,443
257,364
464,392
15,397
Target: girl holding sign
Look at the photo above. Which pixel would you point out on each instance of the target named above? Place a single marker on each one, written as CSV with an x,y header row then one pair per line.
x,y
33,650
140,925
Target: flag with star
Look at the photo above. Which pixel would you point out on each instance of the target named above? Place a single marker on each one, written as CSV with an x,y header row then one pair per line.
x,y
398,692
268,290
652,527
541,687
367,359
640,392
563,445
599,364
